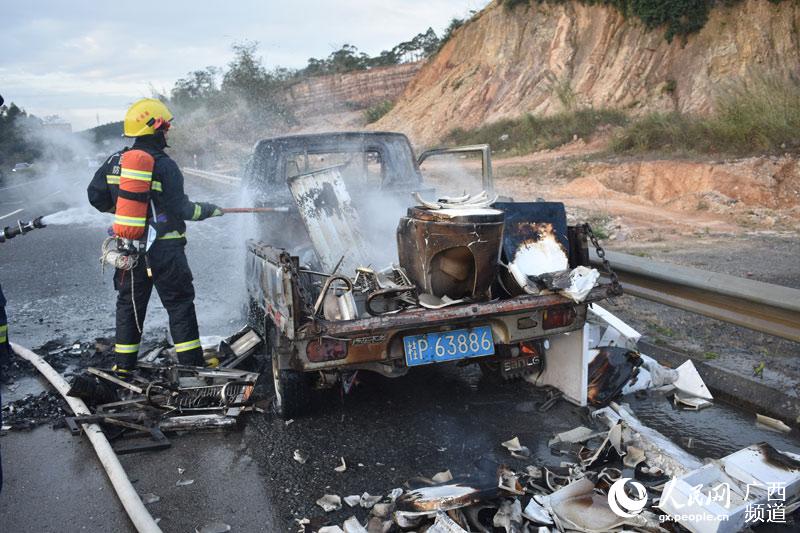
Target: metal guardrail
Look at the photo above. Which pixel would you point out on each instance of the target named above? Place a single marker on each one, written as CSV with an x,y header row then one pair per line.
x,y
759,306
212,176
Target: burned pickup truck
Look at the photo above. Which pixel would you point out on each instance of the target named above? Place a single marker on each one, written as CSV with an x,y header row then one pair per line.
x,y
366,266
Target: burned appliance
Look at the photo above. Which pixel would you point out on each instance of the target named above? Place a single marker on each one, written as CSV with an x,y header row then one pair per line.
x,y
535,246
451,252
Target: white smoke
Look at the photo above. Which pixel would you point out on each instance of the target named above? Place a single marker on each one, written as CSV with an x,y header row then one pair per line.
x,y
58,178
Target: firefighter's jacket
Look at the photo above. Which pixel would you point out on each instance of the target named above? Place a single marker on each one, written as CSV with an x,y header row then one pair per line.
x,y
172,205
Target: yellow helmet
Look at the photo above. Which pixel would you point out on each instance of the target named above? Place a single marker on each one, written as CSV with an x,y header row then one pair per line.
x,y
145,117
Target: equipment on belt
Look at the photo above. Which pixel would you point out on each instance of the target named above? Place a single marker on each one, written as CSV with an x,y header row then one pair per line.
x,y
145,117
119,254
135,180
21,228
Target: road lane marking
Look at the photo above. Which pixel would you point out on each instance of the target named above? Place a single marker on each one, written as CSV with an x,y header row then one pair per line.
x,y
11,214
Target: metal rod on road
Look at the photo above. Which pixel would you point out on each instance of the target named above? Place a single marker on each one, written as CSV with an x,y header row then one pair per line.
x,y
138,513
752,304
255,209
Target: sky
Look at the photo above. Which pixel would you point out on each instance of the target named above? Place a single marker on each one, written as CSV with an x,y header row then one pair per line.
x,y
87,61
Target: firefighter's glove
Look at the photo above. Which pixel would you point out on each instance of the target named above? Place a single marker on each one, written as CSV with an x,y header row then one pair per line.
x,y
208,210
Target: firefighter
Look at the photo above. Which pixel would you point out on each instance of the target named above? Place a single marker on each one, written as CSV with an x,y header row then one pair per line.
x,y
143,187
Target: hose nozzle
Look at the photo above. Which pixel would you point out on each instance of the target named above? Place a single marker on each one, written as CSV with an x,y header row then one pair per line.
x,y
21,228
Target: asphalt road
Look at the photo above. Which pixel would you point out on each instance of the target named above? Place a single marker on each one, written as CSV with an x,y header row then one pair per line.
x,y
388,431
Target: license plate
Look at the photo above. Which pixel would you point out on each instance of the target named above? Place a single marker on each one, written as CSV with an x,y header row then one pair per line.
x,y
448,345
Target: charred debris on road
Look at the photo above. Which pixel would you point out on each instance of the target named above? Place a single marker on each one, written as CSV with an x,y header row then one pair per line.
x,y
159,396
614,473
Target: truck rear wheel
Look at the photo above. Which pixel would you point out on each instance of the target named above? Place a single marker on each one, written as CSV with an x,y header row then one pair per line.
x,y
292,391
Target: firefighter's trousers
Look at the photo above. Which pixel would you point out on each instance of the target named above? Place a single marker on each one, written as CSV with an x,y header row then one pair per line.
x,y
173,281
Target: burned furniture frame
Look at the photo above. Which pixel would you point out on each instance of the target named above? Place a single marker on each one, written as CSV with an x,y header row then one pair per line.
x,y
177,398
487,179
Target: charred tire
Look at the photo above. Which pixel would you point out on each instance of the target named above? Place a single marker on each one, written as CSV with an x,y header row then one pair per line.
x,y
292,391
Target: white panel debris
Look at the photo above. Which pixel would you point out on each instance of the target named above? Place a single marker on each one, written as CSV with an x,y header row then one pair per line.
x,y
614,332
330,502
568,371
367,500
442,477
536,513
445,524
353,500
721,493
772,424
352,525
660,451
690,382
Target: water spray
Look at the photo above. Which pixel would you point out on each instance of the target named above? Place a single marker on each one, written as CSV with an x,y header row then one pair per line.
x,y
21,228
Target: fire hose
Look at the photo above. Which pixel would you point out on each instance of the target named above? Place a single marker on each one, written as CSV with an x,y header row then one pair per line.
x,y
255,210
137,512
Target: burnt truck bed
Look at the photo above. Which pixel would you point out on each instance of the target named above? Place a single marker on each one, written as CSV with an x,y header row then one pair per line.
x,y
281,314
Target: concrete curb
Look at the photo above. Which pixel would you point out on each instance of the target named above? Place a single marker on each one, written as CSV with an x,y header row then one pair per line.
x,y
733,388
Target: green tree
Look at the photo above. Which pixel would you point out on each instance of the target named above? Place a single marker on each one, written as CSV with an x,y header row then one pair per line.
x,y
17,144
455,23
197,87
247,80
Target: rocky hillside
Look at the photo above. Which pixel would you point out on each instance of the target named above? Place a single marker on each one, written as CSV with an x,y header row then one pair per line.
x,y
352,90
543,57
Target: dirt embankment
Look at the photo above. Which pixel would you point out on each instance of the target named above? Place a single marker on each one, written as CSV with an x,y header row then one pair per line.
x,y
653,197
755,182
505,63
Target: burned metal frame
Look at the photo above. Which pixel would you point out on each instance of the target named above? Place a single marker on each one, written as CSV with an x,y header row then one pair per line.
x,y
266,170
487,179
